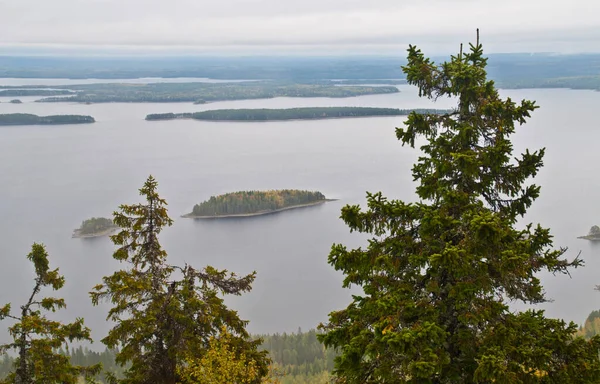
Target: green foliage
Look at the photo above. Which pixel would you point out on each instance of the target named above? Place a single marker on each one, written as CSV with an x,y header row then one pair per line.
x,y
288,114
203,92
162,321
248,202
437,275
29,119
95,225
299,357
36,339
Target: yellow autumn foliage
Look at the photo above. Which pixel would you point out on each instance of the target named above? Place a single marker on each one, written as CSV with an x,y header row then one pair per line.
x,y
222,364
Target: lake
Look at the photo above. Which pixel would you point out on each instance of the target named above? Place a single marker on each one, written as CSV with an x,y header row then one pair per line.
x,y
53,177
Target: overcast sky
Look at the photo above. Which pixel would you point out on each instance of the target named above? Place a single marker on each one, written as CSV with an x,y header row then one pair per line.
x,y
328,26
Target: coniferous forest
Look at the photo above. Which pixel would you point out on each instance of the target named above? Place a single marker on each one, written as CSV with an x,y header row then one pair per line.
x,y
29,119
95,225
288,114
255,202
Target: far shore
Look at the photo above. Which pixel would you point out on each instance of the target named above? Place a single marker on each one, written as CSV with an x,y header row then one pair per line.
x,y
591,238
78,235
260,213
276,120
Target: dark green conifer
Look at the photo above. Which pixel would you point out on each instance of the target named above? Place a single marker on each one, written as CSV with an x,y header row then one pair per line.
x,y
165,315
438,274
37,340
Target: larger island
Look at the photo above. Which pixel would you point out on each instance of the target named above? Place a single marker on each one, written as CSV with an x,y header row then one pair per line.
x,y
200,93
255,203
313,113
29,119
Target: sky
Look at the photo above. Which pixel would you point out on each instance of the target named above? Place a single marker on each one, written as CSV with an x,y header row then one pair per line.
x,y
278,26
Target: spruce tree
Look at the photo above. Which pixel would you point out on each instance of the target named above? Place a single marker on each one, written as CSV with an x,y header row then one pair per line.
x,y
38,340
166,315
438,274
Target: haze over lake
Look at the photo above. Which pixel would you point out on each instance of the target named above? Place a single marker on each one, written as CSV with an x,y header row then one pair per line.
x,y
53,177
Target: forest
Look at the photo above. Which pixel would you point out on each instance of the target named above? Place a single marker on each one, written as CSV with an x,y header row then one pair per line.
x,y
314,113
206,92
508,69
95,225
254,202
30,119
298,358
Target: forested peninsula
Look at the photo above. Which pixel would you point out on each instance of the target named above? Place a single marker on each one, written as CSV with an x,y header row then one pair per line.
x,y
288,114
255,203
30,119
200,93
95,227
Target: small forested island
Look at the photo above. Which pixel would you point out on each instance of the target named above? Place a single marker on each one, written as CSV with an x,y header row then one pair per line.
x,y
593,235
255,203
95,227
30,119
16,101
288,114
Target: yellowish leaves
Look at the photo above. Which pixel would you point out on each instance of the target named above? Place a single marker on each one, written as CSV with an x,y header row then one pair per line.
x,y
223,364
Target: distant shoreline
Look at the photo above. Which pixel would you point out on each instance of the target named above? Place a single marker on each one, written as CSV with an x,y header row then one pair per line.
x,y
78,235
260,213
279,120
590,238
289,114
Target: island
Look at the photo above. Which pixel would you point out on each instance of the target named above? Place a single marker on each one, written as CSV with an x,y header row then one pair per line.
x,y
34,92
16,101
255,203
289,114
95,227
30,119
593,235
201,93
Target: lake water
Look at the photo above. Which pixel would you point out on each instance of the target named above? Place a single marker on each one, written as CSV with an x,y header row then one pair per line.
x,y
53,177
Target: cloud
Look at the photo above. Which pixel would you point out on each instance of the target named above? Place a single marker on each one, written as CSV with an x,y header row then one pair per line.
x,y
530,25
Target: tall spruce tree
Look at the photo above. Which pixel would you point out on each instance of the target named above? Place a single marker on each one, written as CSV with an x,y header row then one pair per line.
x,y
37,340
437,275
166,315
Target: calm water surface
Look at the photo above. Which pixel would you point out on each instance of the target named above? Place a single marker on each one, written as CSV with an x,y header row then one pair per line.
x,y
53,177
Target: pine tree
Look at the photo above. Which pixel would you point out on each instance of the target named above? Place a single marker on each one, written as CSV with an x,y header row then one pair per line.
x,y
438,274
166,314
38,340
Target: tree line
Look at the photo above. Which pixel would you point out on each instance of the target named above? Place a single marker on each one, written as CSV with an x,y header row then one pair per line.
x,y
435,278
204,92
289,113
297,358
248,202
34,92
30,119
95,225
